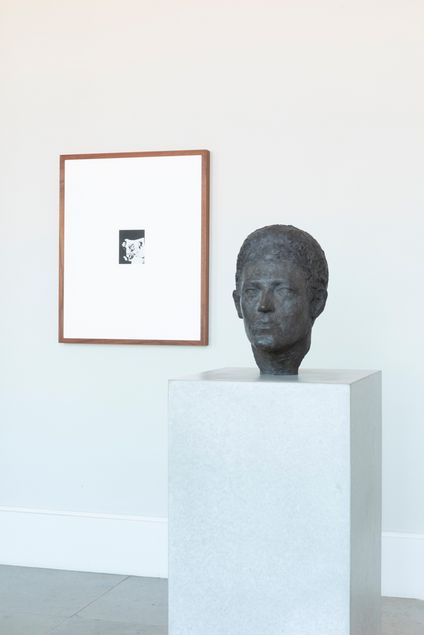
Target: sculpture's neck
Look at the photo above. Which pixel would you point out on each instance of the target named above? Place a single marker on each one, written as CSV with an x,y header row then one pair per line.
x,y
282,362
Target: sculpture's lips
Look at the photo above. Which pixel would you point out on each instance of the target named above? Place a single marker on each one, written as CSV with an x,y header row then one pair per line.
x,y
263,327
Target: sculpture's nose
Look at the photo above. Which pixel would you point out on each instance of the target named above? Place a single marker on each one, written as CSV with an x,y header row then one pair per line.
x,y
266,303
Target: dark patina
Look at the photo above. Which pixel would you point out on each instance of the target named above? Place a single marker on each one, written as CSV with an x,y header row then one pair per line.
x,y
281,288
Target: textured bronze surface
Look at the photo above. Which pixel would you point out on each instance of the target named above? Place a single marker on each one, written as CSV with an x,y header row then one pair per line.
x,y
281,288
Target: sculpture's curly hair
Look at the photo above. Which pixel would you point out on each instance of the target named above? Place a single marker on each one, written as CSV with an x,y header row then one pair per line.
x,y
282,242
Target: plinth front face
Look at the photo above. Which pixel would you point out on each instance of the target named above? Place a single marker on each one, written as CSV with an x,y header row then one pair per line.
x,y
260,508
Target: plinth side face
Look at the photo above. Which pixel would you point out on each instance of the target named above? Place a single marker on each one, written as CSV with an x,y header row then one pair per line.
x,y
275,504
281,288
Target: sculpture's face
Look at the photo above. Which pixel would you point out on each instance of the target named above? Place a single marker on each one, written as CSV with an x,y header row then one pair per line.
x,y
274,304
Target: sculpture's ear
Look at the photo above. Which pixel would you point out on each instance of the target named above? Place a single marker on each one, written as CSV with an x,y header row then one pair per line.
x,y
236,298
318,303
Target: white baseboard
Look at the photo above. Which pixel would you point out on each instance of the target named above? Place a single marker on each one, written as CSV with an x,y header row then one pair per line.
x,y
78,541
403,565
138,545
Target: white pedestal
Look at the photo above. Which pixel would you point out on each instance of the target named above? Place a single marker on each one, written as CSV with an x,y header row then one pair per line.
x,y
274,504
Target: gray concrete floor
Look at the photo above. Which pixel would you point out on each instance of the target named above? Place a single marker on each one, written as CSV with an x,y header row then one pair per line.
x,y
47,602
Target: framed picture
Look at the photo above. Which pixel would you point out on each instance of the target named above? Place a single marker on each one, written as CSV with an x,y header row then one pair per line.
x,y
134,234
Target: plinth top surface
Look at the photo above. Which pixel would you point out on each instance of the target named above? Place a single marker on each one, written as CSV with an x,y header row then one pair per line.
x,y
305,376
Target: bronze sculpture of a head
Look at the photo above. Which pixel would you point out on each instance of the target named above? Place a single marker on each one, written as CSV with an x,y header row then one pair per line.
x,y
281,288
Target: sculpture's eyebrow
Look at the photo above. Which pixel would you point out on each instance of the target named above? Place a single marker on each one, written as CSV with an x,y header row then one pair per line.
x,y
274,283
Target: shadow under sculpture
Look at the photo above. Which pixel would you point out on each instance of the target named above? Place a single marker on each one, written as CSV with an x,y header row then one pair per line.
x,y
281,288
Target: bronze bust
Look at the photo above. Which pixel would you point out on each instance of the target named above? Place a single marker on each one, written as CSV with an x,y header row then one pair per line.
x,y
281,288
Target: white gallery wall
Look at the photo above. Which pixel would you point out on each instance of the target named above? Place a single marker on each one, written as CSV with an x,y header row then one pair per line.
x,y
314,116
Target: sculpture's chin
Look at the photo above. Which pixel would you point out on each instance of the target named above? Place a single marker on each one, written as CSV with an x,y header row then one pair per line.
x,y
264,343
272,346
274,356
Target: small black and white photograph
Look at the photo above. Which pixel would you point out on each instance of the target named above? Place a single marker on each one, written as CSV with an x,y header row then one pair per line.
x,y
131,246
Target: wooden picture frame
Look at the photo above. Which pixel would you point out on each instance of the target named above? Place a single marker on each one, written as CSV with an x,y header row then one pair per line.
x,y
134,248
